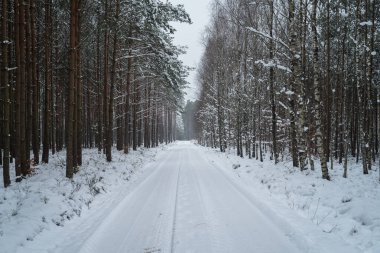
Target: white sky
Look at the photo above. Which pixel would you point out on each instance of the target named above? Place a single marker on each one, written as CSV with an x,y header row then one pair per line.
x,y
190,36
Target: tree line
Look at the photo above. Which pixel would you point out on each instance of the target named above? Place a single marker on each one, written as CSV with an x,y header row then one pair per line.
x,y
86,74
292,77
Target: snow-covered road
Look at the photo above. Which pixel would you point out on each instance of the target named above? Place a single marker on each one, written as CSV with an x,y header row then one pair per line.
x,y
183,198
187,205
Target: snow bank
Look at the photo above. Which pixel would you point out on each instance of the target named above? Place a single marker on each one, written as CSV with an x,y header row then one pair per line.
x,y
339,212
48,201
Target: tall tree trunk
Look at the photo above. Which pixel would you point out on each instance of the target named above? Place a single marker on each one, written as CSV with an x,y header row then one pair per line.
x,y
22,166
79,91
71,91
48,80
271,80
127,102
6,93
99,131
35,85
293,95
328,94
28,79
105,82
113,77
134,120
317,95
299,79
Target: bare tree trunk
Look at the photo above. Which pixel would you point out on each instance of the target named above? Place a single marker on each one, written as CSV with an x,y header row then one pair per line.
x,y
127,102
113,76
328,97
28,79
22,166
105,76
272,80
48,80
35,110
369,35
219,107
6,93
293,96
346,114
79,92
317,95
120,115
99,132
71,99
134,121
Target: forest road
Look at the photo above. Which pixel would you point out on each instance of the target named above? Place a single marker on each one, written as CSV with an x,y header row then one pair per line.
x,y
187,204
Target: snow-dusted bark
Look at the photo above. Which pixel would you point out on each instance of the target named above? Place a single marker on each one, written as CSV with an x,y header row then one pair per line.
x,y
317,95
297,147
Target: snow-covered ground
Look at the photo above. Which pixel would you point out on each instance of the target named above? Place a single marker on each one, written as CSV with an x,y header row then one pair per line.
x,y
187,198
327,214
48,203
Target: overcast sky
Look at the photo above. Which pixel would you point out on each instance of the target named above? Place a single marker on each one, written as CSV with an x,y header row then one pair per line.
x,y
190,36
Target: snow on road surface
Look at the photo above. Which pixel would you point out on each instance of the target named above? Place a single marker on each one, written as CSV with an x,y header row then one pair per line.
x,y
186,205
188,199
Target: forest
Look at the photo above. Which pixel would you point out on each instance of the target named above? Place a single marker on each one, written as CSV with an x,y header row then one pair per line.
x,y
297,80
292,79
86,74
166,126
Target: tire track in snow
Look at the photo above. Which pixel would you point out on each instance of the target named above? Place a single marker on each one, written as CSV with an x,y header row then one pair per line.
x,y
175,212
217,243
242,223
134,225
162,231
